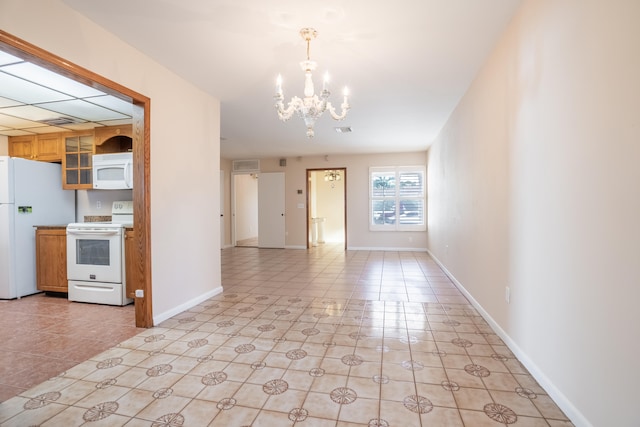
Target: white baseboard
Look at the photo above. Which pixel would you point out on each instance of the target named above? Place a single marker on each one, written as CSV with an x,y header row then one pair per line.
x,y
357,248
187,305
361,248
576,417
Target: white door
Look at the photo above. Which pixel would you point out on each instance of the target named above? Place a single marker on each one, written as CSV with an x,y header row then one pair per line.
x,y
271,221
7,252
221,209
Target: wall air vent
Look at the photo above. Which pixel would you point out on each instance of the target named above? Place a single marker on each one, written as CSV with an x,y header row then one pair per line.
x,y
246,165
59,121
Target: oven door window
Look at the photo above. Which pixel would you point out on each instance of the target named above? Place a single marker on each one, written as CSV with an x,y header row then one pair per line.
x,y
92,252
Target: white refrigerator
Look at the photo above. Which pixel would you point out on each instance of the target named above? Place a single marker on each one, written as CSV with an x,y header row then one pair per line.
x,y
30,194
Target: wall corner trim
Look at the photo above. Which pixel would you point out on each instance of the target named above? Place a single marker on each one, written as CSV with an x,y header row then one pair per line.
x,y
576,417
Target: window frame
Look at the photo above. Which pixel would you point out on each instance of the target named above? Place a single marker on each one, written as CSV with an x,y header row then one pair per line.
x,y
396,198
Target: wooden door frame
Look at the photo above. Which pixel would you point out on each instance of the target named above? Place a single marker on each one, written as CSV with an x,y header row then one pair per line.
x,y
141,154
344,175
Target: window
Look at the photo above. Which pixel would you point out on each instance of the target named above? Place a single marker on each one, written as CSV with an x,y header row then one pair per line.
x,y
397,198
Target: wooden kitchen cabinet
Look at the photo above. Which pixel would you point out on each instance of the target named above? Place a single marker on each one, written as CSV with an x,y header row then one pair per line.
x,y
132,274
51,259
45,148
49,147
77,162
22,146
113,139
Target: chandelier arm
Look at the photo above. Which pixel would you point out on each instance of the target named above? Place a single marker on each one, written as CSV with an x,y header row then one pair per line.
x,y
345,108
285,113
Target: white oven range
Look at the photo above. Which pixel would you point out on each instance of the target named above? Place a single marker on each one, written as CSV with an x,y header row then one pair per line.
x,y
96,262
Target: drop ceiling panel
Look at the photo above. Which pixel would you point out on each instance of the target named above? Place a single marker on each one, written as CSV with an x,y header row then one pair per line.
x,y
6,102
116,122
30,95
47,129
27,92
82,126
113,103
17,123
44,77
15,132
84,110
30,112
6,58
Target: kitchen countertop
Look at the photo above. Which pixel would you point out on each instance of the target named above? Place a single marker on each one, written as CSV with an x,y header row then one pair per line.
x,y
55,227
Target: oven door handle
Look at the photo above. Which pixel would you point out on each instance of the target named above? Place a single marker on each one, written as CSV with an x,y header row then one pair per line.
x,y
93,232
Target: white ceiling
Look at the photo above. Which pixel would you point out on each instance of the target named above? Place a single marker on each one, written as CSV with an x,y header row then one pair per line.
x,y
407,63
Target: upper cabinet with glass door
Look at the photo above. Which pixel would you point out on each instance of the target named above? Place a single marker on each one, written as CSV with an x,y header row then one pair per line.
x,y
77,162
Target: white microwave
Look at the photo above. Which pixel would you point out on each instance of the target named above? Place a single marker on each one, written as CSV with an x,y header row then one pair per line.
x,y
113,171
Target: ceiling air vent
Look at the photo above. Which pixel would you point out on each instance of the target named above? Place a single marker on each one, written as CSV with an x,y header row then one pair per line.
x,y
59,121
344,129
246,165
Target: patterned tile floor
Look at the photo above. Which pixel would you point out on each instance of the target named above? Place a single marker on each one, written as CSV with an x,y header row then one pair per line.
x,y
304,338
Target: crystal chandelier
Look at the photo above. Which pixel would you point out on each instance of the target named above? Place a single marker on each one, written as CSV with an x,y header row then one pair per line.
x,y
311,106
332,175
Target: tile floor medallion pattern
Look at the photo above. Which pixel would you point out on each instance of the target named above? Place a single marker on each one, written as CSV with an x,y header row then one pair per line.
x,y
304,338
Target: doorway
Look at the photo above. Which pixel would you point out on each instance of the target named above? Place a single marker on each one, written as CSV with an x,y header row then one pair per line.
x,y
141,155
222,236
327,207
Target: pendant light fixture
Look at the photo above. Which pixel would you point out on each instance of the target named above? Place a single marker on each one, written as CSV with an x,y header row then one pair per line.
x,y
311,106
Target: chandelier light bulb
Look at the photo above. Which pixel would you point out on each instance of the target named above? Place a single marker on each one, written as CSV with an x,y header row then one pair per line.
x,y
312,106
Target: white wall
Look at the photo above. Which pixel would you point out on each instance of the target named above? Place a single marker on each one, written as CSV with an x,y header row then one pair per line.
x,y
185,241
4,145
533,184
87,202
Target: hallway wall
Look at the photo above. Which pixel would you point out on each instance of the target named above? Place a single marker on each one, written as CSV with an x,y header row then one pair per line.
x,y
357,184
533,184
